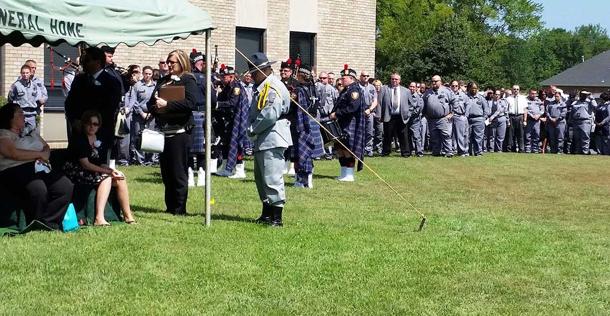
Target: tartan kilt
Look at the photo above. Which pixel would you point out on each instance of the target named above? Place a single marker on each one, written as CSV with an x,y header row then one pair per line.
x,y
318,143
353,127
197,134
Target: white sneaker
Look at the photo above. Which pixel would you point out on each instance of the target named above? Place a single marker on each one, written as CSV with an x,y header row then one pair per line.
x,y
240,171
310,180
191,181
349,175
213,166
201,178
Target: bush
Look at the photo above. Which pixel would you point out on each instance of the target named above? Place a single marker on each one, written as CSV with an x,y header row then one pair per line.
x,y
2,101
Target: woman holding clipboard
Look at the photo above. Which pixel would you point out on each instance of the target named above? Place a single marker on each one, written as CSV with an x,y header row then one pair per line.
x,y
172,105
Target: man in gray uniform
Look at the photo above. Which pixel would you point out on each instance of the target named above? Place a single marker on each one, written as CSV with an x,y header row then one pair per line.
x,y
531,119
498,120
370,100
582,117
269,132
25,93
437,110
556,122
42,94
459,120
478,112
414,124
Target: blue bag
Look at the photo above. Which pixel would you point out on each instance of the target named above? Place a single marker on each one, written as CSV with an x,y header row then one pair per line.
x,y
70,222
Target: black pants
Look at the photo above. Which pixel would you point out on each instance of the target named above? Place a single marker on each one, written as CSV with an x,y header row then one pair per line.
x,y
515,134
174,172
396,128
44,196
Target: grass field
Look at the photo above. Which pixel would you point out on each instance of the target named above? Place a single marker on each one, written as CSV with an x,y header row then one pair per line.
x,y
506,234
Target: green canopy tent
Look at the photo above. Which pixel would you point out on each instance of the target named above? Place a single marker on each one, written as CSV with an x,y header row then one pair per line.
x,y
108,22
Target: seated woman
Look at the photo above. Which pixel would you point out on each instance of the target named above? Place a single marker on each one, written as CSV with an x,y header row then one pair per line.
x,y
25,172
87,165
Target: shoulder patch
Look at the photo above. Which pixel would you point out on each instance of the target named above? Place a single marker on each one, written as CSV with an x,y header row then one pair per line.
x,y
355,95
236,91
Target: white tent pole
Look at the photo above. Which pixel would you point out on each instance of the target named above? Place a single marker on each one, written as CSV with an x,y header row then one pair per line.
x,y
208,129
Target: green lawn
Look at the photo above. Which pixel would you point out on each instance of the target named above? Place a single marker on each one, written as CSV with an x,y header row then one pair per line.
x,y
506,234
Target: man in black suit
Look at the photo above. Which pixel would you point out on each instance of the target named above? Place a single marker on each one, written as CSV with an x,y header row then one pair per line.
x,y
94,89
395,112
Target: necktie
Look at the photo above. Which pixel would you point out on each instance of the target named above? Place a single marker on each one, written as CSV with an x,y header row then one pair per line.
x,y
517,105
395,99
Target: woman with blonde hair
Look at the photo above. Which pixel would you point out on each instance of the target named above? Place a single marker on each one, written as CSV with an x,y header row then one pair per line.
x,y
175,119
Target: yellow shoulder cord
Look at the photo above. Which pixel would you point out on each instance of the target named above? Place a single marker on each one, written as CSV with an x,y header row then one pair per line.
x,y
262,99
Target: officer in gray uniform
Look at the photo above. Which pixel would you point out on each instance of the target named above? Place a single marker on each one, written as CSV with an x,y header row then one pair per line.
x,y
498,120
459,120
269,132
534,111
414,123
42,95
582,117
556,122
437,110
478,111
25,93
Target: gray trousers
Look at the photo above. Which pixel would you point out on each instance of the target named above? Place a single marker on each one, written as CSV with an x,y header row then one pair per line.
x,y
137,125
268,176
440,136
423,132
498,133
378,138
414,126
477,133
460,134
555,136
369,123
581,136
532,136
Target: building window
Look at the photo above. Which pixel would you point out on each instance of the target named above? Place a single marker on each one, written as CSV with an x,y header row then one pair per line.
x,y
53,76
248,41
302,44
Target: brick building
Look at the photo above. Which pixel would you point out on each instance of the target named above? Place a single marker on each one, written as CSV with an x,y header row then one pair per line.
x,y
325,33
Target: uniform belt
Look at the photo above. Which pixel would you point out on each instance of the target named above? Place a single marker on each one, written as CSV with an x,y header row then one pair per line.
x,y
512,114
475,116
174,132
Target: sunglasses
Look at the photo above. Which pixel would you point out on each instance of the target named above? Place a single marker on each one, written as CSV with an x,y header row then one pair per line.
x,y
94,124
162,62
323,77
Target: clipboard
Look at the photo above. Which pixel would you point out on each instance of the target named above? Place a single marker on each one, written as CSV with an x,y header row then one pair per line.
x,y
172,93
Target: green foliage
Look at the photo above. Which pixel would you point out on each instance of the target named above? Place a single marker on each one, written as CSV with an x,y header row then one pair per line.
x,y
492,246
493,42
2,101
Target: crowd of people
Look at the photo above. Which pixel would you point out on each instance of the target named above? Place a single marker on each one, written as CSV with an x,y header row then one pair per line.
x,y
285,122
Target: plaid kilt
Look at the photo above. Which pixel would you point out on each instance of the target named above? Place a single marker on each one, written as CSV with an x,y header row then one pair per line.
x,y
198,134
239,140
353,123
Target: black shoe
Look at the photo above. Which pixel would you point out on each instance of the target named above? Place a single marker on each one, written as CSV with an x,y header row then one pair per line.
x,y
266,215
277,216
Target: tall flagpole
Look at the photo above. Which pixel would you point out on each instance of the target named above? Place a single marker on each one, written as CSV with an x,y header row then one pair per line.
x,y
208,129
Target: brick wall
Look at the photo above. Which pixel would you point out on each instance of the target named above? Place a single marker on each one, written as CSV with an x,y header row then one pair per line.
x,y
346,35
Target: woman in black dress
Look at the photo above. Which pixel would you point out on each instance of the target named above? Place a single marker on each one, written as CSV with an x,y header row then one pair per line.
x,y
175,119
87,165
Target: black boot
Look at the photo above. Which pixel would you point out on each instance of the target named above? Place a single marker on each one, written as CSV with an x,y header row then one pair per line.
x,y
277,216
266,215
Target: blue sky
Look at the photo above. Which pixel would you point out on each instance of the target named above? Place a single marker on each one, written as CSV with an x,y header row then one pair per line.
x,y
569,14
